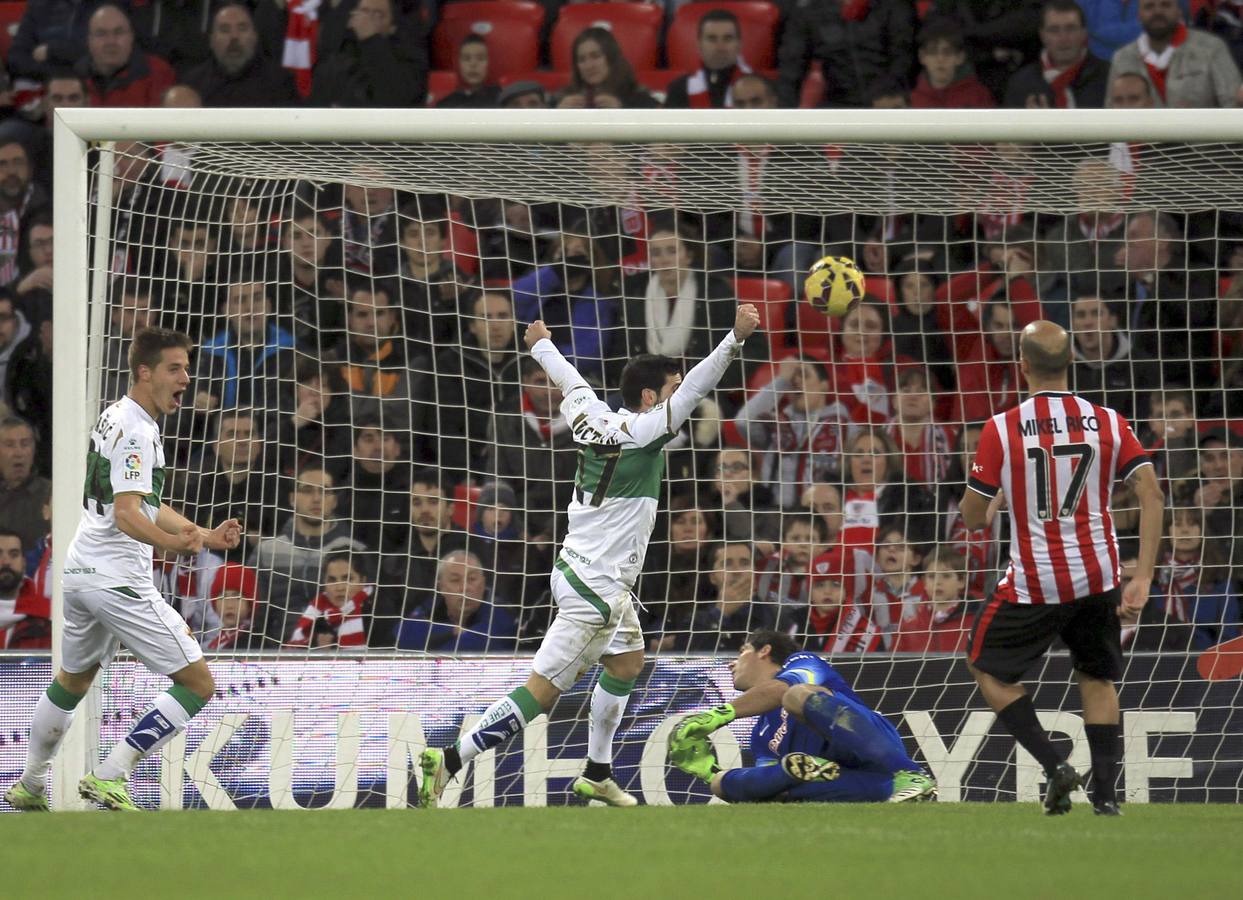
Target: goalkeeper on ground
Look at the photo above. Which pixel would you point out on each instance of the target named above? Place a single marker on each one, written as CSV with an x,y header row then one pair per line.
x,y
621,467
813,738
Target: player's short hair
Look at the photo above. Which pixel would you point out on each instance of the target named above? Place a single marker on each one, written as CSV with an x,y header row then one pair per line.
x,y
149,345
1045,363
783,646
718,15
647,371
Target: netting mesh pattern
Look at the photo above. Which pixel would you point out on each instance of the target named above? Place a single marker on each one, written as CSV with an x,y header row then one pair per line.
x,y
362,403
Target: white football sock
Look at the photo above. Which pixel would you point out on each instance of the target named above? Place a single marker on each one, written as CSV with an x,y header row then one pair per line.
x,y
608,703
47,730
157,727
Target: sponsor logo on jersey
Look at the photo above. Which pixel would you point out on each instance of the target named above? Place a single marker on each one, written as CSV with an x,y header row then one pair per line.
x,y
976,468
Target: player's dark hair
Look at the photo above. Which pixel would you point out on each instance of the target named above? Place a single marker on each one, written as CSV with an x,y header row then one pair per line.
x,y
1045,362
645,371
1062,6
783,646
150,343
718,15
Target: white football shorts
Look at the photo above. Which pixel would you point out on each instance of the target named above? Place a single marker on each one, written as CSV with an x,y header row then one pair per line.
x,y
591,623
97,621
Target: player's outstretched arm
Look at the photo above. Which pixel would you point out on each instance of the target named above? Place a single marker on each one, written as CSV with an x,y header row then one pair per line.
x,y
1151,516
132,521
225,536
538,339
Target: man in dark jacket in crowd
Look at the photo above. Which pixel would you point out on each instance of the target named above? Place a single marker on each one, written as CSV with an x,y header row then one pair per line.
x,y
237,73
1066,76
379,62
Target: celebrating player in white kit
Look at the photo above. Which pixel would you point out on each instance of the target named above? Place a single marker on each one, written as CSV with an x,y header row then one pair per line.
x,y
621,466
110,595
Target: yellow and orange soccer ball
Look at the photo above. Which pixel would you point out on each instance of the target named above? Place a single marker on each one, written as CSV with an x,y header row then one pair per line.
x,y
834,285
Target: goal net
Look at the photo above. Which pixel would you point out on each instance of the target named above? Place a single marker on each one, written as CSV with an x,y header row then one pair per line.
x,y
361,401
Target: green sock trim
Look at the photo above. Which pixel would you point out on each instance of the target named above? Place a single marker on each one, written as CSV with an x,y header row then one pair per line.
x,y
616,686
63,698
190,701
527,703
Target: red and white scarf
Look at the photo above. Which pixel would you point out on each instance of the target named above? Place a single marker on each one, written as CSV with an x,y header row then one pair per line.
x,y
1060,80
301,36
346,621
751,160
699,94
1159,63
545,427
928,461
1180,580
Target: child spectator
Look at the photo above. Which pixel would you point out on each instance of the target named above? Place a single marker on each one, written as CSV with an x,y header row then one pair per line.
x,y
734,610
941,623
897,590
1193,586
798,423
942,83
234,593
833,620
474,90
335,616
825,502
783,577
872,462
925,446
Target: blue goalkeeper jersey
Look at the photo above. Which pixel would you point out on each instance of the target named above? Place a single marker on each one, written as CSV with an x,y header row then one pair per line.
x,y
776,732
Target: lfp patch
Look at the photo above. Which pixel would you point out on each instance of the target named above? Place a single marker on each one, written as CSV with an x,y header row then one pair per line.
x,y
133,462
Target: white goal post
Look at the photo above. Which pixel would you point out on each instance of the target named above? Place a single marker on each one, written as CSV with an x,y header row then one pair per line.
x,y
82,281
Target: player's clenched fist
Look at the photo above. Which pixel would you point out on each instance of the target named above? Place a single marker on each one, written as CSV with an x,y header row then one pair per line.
x,y
535,332
224,536
746,321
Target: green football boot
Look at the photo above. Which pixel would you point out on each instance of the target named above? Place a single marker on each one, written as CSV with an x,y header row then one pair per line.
x,y
912,787
109,794
694,756
23,798
807,768
435,777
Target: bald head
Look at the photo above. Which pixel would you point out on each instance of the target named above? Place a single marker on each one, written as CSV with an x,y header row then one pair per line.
x,y
1045,347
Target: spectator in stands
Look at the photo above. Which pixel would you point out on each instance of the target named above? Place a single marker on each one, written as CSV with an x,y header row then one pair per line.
x,y
460,617
1220,491
897,589
472,379
824,500
719,41
1102,368
856,44
1186,67
314,266
989,379
783,576
1078,246
22,490
925,446
370,364
20,197
25,614
238,73
245,231
33,284
835,619
311,425
498,538
679,309
188,288
407,577
1001,35
941,84
523,95
14,328
232,480
379,60
872,472
290,562
577,296
28,370
917,329
601,76
1066,76
1169,434
672,579
798,424
369,229
743,501
117,71
61,88
50,35
941,623
863,370
732,610
1193,585
535,452
1224,19
233,599
475,90
128,313
243,363
430,281
980,546
1130,90
1111,24
337,616
379,479
1169,311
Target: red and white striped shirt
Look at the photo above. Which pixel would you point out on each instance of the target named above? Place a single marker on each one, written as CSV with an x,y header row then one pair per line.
x,y
345,621
1056,457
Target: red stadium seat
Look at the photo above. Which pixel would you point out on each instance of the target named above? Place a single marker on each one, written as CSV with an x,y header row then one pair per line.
x,y
815,329
463,244
465,499
635,25
657,81
759,32
771,297
511,29
10,17
440,83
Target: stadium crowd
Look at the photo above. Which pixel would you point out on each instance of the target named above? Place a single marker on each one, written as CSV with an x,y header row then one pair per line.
x,y
361,402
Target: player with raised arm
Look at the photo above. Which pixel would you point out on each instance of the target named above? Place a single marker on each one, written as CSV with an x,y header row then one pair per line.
x,y
1055,458
621,466
813,738
110,594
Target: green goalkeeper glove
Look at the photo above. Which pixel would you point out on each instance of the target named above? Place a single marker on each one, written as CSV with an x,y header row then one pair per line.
x,y
695,757
700,725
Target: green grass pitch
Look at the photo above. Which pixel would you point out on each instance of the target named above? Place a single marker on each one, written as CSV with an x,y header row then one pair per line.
x,y
1001,851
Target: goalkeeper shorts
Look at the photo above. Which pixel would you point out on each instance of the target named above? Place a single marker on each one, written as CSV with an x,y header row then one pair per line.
x,y
590,624
97,621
